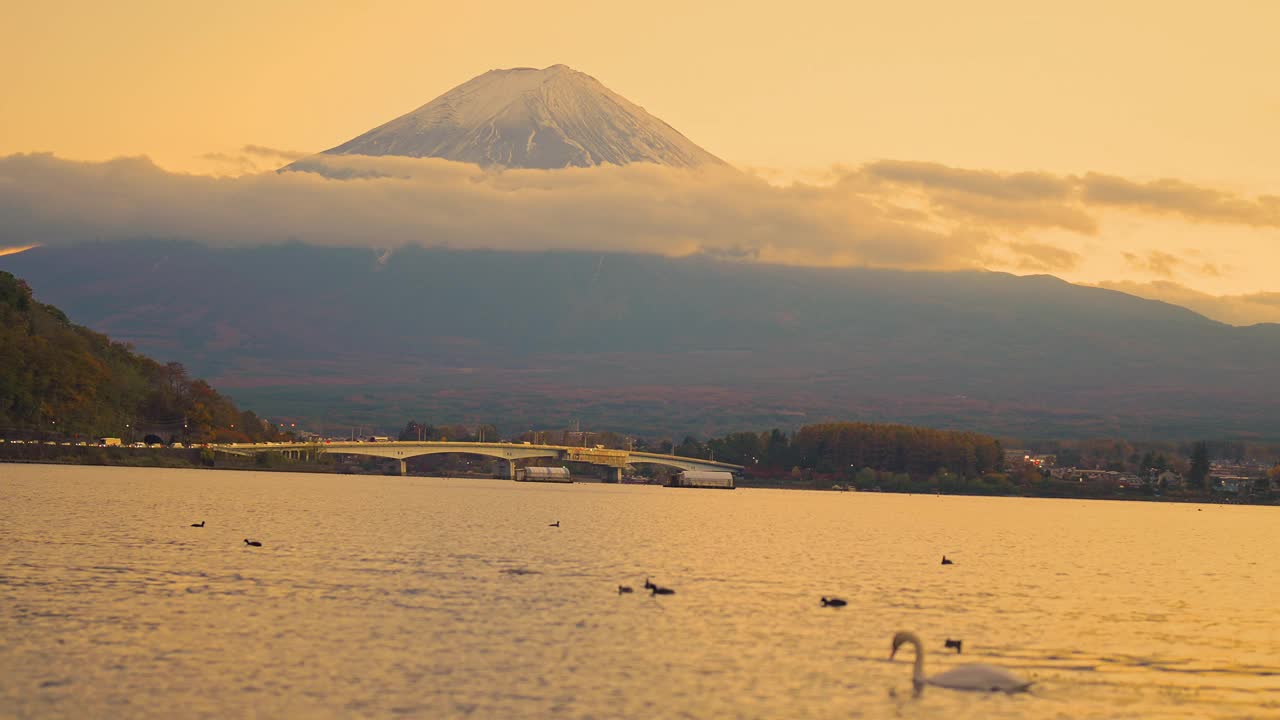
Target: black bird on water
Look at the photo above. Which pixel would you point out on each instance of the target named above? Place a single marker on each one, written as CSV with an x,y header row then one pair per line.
x,y
253,543
648,584
555,524
945,561
954,644
199,524
833,602
624,589
655,590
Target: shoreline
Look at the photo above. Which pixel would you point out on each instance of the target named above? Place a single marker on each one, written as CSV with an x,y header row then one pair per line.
x,y
163,459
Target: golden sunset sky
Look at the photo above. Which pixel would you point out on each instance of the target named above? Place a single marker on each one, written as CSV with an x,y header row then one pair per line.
x,y
1145,91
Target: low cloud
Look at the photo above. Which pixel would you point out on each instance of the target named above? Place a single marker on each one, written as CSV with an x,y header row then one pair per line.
x,y
1017,201
250,159
1020,186
1155,262
1039,257
911,215
398,201
1069,202
231,163
1231,309
1168,265
273,153
1175,196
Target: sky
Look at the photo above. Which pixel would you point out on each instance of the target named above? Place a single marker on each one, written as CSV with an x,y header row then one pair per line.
x,y
1150,125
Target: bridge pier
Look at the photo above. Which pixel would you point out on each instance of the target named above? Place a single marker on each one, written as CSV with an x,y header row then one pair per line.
x,y
506,469
613,474
400,464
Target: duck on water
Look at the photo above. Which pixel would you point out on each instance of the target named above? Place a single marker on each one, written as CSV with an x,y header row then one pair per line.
x,y
655,589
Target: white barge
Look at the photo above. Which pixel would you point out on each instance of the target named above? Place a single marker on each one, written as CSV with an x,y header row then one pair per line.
x,y
543,474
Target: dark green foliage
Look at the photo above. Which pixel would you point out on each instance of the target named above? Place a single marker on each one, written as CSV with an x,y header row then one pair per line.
x,y
1199,465
60,379
862,452
915,451
414,430
690,447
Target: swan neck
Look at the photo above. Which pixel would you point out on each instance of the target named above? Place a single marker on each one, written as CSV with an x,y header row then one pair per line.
x,y
917,671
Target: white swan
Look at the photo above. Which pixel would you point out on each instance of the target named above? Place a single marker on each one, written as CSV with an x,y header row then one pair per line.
x,y
972,676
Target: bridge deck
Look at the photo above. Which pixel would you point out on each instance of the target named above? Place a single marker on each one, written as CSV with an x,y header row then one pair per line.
x,y
404,449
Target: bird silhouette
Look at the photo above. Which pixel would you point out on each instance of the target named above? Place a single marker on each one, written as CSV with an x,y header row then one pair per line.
x,y
957,644
624,589
555,524
833,602
199,524
945,561
655,590
252,543
648,584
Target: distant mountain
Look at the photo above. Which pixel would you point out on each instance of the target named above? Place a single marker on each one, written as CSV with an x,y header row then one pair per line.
x,y
556,117
665,346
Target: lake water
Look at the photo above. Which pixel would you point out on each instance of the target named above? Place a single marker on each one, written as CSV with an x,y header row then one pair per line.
x,y
441,598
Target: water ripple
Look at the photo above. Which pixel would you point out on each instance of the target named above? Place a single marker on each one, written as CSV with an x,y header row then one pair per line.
x,y
449,598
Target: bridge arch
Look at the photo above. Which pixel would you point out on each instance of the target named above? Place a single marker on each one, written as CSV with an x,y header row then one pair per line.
x,y
674,465
506,455
680,463
407,453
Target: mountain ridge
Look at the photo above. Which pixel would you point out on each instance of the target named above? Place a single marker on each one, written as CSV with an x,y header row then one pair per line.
x,y
646,343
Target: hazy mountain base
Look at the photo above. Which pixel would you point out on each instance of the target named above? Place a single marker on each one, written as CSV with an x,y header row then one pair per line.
x,y
673,411
665,346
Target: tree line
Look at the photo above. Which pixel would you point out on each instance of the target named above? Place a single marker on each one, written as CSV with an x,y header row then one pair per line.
x,y
846,448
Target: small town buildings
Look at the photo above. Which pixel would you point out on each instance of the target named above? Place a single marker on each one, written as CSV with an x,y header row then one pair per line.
x,y
703,479
1232,483
1168,479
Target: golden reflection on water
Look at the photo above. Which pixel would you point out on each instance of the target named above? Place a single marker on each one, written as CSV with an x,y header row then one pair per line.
x,y
435,598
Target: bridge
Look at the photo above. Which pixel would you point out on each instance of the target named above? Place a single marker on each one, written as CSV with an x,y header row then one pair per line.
x,y
508,453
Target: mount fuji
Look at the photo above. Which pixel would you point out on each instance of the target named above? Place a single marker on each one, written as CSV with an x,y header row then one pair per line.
x,y
556,117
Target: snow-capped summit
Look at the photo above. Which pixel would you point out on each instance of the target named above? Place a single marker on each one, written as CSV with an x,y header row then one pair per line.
x,y
524,117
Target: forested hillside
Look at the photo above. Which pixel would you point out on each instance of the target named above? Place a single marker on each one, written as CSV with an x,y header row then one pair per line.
x,y
58,379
